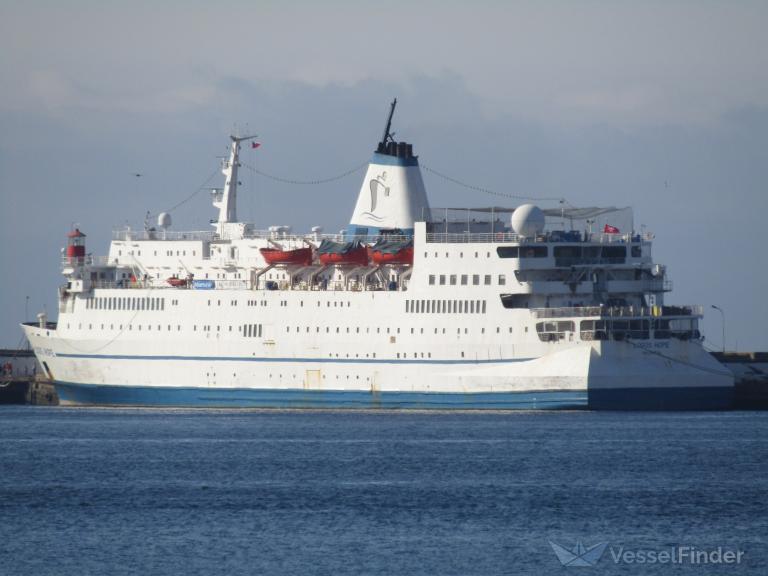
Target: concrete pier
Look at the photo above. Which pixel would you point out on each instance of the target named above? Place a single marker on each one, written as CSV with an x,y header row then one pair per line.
x,y
751,372
21,380
27,390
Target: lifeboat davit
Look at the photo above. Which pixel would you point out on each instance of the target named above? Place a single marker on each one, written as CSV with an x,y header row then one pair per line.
x,y
331,252
299,256
389,252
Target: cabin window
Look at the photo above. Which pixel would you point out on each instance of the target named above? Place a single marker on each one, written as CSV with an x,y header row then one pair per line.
x,y
508,251
567,251
502,280
476,279
533,251
442,279
515,300
431,279
614,252
453,279
463,279
552,331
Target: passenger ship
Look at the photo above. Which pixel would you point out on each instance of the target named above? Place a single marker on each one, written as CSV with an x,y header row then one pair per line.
x,y
409,307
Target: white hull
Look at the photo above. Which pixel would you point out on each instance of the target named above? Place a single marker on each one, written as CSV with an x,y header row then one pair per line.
x,y
566,376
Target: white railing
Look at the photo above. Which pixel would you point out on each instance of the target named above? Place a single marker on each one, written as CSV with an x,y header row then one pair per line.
x,y
129,235
88,260
619,311
657,285
467,237
498,237
209,235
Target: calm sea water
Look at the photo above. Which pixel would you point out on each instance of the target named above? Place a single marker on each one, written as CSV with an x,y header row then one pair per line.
x,y
95,491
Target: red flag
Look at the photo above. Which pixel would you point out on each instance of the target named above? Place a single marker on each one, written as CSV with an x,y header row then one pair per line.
x,y
610,229
255,144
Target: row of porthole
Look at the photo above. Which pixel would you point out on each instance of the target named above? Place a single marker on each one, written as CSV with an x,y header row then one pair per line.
x,y
357,377
257,329
463,280
461,255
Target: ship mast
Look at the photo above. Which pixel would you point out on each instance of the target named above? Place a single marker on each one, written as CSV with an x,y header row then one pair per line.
x,y
387,137
226,201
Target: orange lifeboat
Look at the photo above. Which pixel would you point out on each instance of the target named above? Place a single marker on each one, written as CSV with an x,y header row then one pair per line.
x,y
343,253
388,252
300,256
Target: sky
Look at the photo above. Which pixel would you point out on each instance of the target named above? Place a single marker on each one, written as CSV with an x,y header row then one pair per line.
x,y
662,106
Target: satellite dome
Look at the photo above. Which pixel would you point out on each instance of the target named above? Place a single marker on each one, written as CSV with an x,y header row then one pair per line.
x,y
528,220
164,220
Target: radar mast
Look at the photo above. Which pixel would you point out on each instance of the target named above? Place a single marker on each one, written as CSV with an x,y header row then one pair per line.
x,y
226,200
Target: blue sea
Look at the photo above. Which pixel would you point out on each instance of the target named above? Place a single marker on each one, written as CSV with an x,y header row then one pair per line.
x,y
102,491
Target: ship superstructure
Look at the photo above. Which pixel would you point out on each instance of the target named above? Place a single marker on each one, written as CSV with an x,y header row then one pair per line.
x,y
410,307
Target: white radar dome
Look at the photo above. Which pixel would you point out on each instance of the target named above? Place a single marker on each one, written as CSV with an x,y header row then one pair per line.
x,y
164,220
528,220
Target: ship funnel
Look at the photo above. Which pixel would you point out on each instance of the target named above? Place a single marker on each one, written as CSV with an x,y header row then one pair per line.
x,y
392,196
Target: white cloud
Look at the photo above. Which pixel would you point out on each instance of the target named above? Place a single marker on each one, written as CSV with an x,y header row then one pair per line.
x,y
555,62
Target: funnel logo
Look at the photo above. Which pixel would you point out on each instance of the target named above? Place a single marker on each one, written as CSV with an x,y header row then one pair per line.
x,y
378,188
579,555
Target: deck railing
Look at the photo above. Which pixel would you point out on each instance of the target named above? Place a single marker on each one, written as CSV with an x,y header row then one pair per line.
x,y
88,260
619,311
500,237
128,235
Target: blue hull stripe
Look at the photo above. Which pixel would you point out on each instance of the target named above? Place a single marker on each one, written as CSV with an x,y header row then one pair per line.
x,y
691,398
302,360
680,398
106,395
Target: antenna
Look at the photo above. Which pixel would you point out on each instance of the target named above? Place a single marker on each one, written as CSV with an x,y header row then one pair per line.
x,y
242,138
387,136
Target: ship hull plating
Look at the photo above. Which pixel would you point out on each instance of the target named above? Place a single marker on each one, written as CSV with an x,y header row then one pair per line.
x,y
599,375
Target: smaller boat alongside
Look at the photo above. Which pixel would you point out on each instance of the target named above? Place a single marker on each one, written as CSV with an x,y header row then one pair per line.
x,y
177,282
